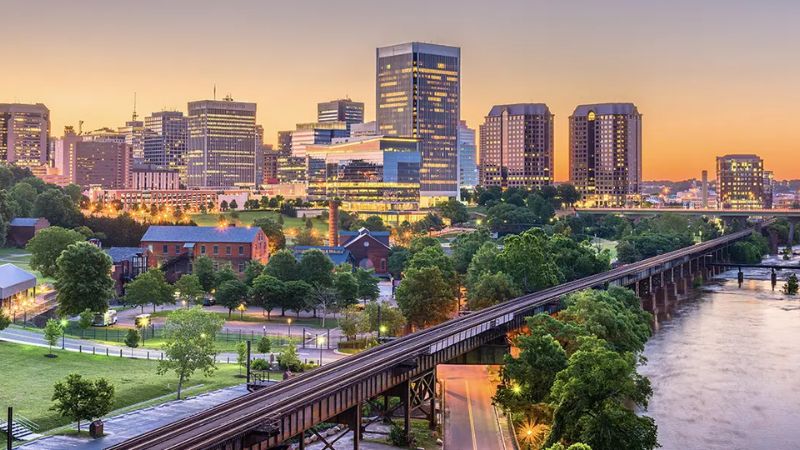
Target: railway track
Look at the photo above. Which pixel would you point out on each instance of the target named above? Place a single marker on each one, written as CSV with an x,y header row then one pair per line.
x,y
236,417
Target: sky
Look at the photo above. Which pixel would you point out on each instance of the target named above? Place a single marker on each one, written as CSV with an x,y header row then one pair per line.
x,y
710,77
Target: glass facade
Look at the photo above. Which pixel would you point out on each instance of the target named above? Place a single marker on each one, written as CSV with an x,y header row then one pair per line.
x,y
222,144
24,134
377,174
741,182
343,110
467,168
165,141
418,89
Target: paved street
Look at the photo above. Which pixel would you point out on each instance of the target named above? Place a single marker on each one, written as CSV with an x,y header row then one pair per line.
x,y
125,426
470,421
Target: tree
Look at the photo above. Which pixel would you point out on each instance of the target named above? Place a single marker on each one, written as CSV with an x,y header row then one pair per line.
x,y
74,192
57,207
233,204
351,322
274,232
297,293
568,194
525,259
132,338
77,398
241,356
464,247
591,396
83,279
225,273
46,246
231,294
188,288
189,336
454,210
203,268
307,237
391,317
576,260
52,331
346,286
322,297
315,268
791,286
223,205
282,265
368,289
85,319
264,345
268,292
484,261
289,360
24,196
398,257
374,223
149,287
491,289
425,297
5,321
251,271
434,257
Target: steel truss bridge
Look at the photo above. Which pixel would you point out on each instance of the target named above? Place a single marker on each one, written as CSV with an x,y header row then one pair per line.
x,y
405,368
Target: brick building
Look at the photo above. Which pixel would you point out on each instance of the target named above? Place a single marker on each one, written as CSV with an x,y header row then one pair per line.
x,y
370,249
174,248
22,229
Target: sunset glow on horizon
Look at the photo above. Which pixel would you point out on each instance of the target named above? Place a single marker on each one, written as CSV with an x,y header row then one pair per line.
x,y
710,78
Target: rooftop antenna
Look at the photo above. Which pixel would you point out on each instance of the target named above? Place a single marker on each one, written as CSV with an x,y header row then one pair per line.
x,y
134,116
80,127
215,91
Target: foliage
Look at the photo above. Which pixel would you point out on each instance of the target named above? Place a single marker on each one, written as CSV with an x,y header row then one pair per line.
x,y
420,243
264,345
85,319
189,336
223,274
315,268
46,246
132,338
188,288
526,260
309,237
434,257
52,331
321,297
491,289
58,208
425,296
484,261
289,360
346,287
5,321
391,317
231,294
203,269
464,247
637,247
431,222
368,289
149,287
398,257
399,438
282,265
576,260
268,292
259,364
454,210
531,374
83,279
251,271
23,195
750,250
350,323
119,231
297,293
791,286
241,355
77,398
274,232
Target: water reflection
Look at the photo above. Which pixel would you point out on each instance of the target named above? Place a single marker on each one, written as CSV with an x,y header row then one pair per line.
x,y
725,367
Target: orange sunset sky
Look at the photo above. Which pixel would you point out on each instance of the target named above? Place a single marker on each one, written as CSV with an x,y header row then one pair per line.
x,y
710,77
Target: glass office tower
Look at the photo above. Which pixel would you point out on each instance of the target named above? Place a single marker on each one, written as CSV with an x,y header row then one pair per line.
x,y
165,140
418,90
222,144
24,134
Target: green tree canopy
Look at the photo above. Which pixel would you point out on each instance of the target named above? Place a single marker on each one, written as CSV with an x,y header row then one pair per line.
x,y
525,258
46,246
316,268
77,398
368,289
484,261
231,294
454,210
491,289
297,293
274,232
283,266
251,271
268,292
425,297
203,269
58,208
24,196
83,279
464,247
188,288
346,286
149,287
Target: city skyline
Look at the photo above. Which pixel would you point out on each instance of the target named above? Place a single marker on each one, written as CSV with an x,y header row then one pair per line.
x,y
692,73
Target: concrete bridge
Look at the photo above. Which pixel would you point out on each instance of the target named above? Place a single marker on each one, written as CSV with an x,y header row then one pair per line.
x,y
406,368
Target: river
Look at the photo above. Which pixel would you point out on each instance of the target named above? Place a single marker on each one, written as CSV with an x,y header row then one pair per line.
x,y
725,367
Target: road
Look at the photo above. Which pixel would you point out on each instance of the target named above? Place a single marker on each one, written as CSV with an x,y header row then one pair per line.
x,y
470,421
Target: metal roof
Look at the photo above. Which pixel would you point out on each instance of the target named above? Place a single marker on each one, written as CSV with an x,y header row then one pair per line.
x,y
518,109
119,254
182,233
337,255
24,221
14,280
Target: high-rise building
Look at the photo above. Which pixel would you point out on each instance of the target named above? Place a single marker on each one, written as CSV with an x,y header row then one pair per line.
x,y
102,163
316,133
104,134
769,188
222,144
418,91
362,130
517,146
740,182
64,158
146,177
605,159
342,110
24,134
284,142
467,168
135,136
165,142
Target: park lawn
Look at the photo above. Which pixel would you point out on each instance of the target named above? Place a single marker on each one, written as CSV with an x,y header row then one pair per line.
x,y
275,319
22,259
605,244
247,218
28,377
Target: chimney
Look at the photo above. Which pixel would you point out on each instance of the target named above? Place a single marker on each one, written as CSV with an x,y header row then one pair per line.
x,y
705,189
333,223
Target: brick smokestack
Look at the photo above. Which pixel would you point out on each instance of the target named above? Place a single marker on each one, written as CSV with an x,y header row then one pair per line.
x,y
333,223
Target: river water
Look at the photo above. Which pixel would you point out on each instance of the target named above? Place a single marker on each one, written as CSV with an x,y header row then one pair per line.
x,y
725,367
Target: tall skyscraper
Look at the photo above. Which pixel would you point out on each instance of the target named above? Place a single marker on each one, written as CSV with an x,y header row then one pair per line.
x,y
64,158
467,169
605,159
517,146
222,144
165,142
342,110
24,134
418,91
740,182
135,135
102,163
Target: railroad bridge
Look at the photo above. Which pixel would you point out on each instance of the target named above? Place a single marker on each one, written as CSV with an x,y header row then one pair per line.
x,y
405,368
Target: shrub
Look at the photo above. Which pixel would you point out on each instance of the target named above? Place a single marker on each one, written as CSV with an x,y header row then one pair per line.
x,y
399,438
259,364
132,338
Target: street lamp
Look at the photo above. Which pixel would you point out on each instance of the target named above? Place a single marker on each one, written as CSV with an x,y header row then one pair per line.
x,y
320,343
63,332
289,321
241,309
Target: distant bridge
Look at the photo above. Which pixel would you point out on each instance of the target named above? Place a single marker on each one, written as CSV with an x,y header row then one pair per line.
x,y
406,367
788,213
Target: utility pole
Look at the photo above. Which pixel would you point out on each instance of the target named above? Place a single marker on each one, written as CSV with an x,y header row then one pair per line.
x,y
9,423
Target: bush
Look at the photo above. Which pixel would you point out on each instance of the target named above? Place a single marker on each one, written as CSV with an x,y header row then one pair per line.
x,y
264,345
132,338
399,438
355,344
289,360
259,364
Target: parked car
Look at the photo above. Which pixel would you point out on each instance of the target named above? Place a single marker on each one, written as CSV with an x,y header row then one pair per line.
x,y
105,319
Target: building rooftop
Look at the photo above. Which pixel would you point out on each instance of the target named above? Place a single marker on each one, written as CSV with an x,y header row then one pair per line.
x,y
24,221
347,237
602,109
518,109
337,255
183,233
14,280
119,254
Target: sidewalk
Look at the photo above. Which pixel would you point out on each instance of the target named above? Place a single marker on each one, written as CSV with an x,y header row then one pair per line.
x,y
125,426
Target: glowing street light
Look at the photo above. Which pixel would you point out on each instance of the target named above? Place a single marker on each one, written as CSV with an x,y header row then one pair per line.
x,y
289,321
63,331
241,309
320,343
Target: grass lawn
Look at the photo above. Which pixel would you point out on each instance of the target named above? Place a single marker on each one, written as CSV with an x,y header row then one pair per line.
x,y
28,377
247,218
22,259
605,244
276,319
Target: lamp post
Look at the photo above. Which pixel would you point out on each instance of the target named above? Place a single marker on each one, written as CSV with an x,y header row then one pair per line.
x,y
63,332
241,309
289,321
320,343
